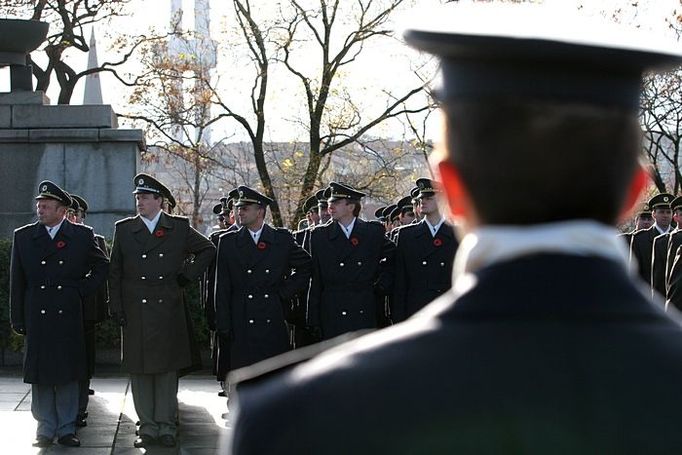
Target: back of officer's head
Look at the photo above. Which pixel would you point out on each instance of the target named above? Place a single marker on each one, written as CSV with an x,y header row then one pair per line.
x,y
526,162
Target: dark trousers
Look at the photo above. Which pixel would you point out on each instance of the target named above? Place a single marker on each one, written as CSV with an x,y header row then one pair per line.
x,y
156,402
55,408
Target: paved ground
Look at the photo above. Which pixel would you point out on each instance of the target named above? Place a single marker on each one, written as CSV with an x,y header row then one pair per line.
x,y
111,424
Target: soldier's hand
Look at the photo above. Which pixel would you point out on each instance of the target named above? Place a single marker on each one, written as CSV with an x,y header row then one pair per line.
x,y
20,329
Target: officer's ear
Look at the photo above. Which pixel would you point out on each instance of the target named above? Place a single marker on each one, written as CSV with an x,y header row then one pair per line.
x,y
455,191
637,186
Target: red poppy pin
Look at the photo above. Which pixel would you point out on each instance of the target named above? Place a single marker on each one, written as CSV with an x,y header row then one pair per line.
x,y
159,233
437,242
61,244
354,241
262,245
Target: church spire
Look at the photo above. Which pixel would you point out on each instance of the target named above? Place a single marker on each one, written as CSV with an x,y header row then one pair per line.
x,y
93,89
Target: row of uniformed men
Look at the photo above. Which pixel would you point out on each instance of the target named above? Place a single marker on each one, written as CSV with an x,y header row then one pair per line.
x,y
270,291
655,246
332,277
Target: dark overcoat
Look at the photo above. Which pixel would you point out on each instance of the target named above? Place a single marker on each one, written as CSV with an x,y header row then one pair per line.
x,y
144,285
543,354
50,278
95,306
423,267
254,284
641,248
659,254
349,274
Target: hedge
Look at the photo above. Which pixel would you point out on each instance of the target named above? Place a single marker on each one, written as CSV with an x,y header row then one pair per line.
x,y
108,333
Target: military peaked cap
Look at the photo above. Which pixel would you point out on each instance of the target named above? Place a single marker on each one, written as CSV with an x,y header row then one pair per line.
x,y
321,200
661,200
497,51
74,203
218,209
676,203
379,213
427,186
82,203
405,204
50,190
246,195
310,204
414,194
336,191
387,211
145,183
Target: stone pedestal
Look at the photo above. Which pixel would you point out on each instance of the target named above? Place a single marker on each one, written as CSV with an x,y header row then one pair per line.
x,y
80,148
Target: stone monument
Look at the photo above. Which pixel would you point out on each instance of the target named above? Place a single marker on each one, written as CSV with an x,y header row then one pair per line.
x,y
80,148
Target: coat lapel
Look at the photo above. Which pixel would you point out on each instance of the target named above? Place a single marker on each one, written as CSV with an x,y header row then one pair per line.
x,y
342,245
247,249
266,240
163,229
139,230
42,238
444,239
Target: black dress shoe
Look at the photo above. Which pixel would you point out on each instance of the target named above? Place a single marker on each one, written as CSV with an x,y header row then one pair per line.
x,y
144,440
91,392
42,441
167,440
222,393
69,440
80,420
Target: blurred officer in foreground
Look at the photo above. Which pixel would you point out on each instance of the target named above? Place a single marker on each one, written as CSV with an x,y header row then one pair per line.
x,y
351,265
149,268
424,255
56,267
545,344
94,312
258,270
642,244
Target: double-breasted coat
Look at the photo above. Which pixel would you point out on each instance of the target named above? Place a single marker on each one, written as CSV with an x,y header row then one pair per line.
x,y
50,278
423,267
641,251
349,274
145,284
254,284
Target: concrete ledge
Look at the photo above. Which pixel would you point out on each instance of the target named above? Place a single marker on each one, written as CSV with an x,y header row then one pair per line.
x,y
13,135
24,97
89,116
116,135
63,135
5,116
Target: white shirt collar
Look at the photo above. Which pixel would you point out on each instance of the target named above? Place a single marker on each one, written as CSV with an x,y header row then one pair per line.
x,y
52,231
256,235
347,229
491,244
151,224
434,229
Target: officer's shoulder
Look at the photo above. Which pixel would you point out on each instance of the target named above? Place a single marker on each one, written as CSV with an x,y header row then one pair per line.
x,y
261,371
282,231
178,218
124,221
25,228
642,233
83,228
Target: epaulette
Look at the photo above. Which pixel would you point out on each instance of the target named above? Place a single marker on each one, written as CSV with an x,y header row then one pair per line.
x,y
265,369
177,217
84,227
23,228
283,230
125,220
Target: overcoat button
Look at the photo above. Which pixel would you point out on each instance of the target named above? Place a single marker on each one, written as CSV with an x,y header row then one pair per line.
x,y
341,264
43,262
442,264
268,321
160,277
60,311
250,321
266,296
343,313
423,262
248,271
42,311
160,300
144,256
42,286
144,300
359,262
362,311
61,262
250,296
267,270
59,288
160,255
143,277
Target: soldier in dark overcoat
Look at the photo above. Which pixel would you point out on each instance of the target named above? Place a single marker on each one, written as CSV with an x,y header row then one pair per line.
x,y
545,344
642,243
94,312
660,251
258,271
149,268
56,266
424,255
351,266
